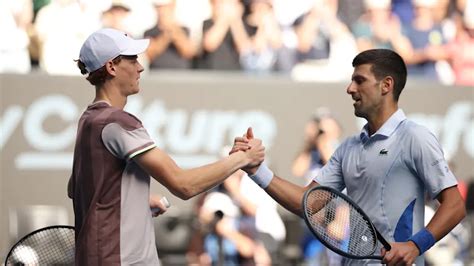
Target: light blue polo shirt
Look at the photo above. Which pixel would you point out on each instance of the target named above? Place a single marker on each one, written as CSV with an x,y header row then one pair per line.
x,y
387,175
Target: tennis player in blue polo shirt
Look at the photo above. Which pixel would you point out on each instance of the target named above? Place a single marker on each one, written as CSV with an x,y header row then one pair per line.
x,y
386,169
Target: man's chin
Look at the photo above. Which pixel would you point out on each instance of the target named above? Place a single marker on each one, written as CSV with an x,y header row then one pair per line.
x,y
359,113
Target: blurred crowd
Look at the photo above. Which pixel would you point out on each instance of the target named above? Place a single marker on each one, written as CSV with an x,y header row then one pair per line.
x,y
311,40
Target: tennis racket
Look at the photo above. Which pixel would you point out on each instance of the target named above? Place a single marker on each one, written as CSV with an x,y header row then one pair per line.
x,y
340,224
52,245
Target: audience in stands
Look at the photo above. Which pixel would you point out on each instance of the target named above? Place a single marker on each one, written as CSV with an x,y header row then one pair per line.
x,y
15,19
459,51
324,44
264,37
115,15
170,44
308,39
62,26
423,31
378,27
224,36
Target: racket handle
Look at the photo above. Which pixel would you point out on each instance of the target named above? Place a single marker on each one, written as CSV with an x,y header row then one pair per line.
x,y
165,202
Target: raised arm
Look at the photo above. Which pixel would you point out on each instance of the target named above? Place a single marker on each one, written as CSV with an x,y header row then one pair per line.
x,y
287,194
214,36
186,183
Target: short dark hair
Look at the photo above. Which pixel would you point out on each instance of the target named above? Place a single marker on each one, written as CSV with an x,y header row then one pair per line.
x,y
99,76
384,63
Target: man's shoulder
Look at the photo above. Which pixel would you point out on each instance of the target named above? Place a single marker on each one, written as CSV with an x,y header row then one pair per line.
x,y
104,114
412,129
351,141
125,119
413,134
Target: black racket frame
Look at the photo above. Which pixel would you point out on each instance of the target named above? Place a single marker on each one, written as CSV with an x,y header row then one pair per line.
x,y
19,242
378,236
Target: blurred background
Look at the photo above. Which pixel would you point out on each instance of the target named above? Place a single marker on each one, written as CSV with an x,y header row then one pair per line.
x,y
214,68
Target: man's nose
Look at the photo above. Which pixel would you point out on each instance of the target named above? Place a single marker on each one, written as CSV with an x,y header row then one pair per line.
x,y
350,88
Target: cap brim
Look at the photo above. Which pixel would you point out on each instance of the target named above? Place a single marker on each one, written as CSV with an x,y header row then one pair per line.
x,y
136,47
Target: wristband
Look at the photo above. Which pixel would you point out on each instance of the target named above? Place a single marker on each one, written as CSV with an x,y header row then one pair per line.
x,y
423,240
263,176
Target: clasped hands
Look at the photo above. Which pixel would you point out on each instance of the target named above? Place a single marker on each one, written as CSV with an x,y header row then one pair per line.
x,y
252,147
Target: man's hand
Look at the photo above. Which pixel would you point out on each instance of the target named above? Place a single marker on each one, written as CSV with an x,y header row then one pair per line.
x,y
256,153
402,253
245,143
242,143
158,205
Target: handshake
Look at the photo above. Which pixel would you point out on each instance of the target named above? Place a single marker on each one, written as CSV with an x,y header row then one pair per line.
x,y
254,153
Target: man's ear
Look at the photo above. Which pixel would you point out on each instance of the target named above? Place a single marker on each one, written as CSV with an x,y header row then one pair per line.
x,y
387,85
110,67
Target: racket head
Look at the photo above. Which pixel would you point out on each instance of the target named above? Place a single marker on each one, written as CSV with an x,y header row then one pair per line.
x,y
339,223
52,245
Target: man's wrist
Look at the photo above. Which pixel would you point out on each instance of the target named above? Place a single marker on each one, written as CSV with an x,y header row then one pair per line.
x,y
263,176
423,240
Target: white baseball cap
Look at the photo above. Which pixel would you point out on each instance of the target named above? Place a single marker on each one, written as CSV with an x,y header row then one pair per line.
x,y
106,44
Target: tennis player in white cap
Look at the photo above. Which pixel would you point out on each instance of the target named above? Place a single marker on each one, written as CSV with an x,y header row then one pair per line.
x,y
114,158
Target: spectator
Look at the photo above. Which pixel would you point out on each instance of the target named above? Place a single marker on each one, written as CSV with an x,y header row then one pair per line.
x,y
379,28
224,36
286,13
15,18
191,14
265,37
170,45
259,216
445,15
422,32
219,240
321,137
324,44
349,11
458,52
403,9
62,26
322,133
115,15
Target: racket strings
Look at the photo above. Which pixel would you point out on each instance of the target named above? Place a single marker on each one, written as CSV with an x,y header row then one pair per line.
x,y
53,246
339,224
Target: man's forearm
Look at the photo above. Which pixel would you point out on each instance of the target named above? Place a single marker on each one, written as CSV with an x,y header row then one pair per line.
x,y
451,211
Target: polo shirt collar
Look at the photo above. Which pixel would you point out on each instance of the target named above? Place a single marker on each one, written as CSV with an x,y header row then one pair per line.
x,y
387,128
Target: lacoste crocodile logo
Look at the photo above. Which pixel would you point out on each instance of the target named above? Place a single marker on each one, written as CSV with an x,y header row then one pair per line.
x,y
383,152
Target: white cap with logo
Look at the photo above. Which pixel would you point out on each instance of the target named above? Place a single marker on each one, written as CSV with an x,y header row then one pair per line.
x,y
106,44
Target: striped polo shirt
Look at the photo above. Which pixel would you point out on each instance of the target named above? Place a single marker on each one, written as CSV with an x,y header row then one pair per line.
x,y
110,192
387,175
